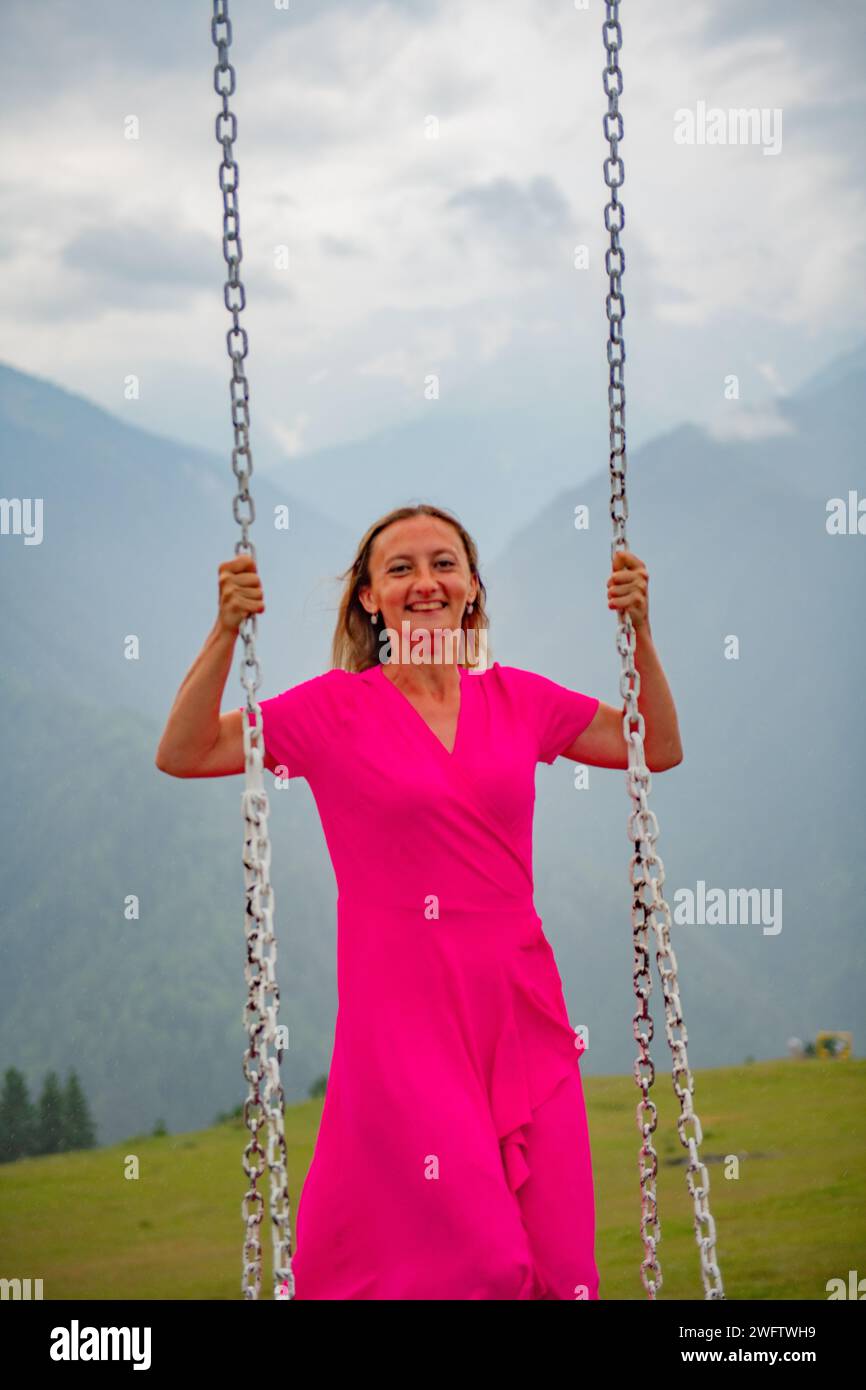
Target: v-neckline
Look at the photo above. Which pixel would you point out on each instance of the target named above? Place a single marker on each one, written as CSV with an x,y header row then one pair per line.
x,y
411,709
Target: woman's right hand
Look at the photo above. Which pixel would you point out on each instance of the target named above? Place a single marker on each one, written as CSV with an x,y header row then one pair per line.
x,y
240,592
198,741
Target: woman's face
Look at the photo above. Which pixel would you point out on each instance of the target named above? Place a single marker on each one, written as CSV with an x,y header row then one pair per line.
x,y
419,573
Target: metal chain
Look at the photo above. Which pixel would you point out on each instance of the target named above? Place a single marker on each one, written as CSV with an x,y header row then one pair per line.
x,y
263,1000
646,870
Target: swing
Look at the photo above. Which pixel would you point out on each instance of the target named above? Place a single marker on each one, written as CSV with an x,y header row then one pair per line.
x,y
646,870
265,1102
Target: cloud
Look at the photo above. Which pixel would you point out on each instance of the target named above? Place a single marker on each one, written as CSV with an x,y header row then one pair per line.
x,y
803,25
290,438
770,373
407,252
430,347
141,255
340,246
517,213
738,422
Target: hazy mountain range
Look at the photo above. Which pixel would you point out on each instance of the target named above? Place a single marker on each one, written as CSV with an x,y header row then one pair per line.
x,y
734,536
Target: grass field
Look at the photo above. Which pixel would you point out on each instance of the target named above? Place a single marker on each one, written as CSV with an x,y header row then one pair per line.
x,y
793,1218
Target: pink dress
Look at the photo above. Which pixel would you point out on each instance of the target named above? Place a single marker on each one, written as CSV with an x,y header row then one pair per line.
x,y
452,1040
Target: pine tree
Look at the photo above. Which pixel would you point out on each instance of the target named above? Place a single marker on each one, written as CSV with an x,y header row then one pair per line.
x,y
78,1130
49,1117
16,1118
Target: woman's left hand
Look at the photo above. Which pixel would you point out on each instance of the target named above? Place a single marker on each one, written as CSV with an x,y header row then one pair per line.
x,y
628,587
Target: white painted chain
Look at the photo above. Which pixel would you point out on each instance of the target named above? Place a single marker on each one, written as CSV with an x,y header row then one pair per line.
x,y
264,1104
646,870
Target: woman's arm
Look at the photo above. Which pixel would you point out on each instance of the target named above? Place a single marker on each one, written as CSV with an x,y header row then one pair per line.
x,y
661,743
197,740
602,743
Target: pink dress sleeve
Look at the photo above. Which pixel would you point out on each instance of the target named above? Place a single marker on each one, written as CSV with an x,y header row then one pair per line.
x,y
555,713
300,724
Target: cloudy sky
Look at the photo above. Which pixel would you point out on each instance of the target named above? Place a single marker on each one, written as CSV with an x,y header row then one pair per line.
x,y
409,255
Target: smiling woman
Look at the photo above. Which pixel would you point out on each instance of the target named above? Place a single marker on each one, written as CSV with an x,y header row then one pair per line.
x,y
453,1157
451,1011
415,570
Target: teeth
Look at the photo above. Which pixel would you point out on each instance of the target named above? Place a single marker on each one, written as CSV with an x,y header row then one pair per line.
x,y
425,607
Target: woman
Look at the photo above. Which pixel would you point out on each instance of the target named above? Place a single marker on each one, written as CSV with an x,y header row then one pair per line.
x,y
453,1157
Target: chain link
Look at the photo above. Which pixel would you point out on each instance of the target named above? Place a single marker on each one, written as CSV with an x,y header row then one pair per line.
x,y
646,870
264,1104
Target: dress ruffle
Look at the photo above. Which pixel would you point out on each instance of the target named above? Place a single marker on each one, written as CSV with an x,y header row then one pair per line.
x,y
535,1050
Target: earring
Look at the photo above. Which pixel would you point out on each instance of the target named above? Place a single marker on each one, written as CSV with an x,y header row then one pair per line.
x,y
469,607
374,618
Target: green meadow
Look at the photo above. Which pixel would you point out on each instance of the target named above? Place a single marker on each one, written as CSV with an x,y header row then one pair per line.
x,y
793,1218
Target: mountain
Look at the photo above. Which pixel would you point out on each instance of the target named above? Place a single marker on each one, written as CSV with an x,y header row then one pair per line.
x,y
134,529
149,1011
488,467
735,541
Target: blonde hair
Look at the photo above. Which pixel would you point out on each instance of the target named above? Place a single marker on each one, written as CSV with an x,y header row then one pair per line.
x,y
356,642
